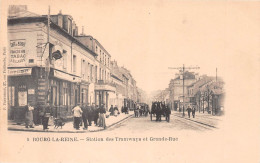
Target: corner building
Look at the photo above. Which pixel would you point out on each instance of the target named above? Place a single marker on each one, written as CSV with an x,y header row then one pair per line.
x,y
62,71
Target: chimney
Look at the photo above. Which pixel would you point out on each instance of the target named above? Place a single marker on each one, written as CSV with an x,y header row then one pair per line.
x,y
82,34
60,19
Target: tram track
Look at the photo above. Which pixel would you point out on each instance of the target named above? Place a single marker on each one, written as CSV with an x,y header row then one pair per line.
x,y
202,124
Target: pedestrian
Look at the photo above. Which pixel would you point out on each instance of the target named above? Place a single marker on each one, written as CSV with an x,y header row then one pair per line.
x,y
77,112
116,111
167,113
29,116
85,117
102,120
126,110
47,113
193,111
111,110
89,115
122,109
189,110
136,110
95,113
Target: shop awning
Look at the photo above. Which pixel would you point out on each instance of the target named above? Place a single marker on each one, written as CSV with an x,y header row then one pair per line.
x,y
64,76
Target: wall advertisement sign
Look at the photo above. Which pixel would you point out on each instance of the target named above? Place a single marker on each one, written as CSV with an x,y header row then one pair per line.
x,y
20,71
17,52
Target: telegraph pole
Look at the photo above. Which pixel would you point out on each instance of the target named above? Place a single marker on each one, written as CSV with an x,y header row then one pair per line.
x,y
216,74
183,68
47,66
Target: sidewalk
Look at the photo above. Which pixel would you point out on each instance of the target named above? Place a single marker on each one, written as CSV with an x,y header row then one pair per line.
x,y
202,118
68,127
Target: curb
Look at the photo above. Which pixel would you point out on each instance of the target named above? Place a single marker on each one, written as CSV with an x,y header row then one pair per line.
x,y
67,131
197,122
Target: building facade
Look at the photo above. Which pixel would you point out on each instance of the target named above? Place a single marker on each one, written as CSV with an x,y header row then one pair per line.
x,y
50,63
177,90
47,64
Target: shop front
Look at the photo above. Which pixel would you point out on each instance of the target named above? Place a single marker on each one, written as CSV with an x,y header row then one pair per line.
x,y
22,87
102,94
64,92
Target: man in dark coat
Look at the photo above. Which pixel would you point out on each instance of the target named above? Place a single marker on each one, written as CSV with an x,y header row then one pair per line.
x,y
189,110
95,113
85,117
46,114
111,110
167,113
193,111
89,114
102,118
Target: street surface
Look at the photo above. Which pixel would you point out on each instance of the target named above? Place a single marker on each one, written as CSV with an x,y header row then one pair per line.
x,y
144,124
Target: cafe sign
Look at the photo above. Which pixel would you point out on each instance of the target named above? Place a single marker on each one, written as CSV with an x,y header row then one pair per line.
x,y
17,52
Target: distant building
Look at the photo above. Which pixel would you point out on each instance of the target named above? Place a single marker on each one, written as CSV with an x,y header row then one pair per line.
x,y
176,89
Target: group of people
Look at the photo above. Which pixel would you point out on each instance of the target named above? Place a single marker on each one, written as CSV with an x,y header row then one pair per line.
x,y
87,114
114,110
159,109
44,113
82,115
125,109
140,110
191,110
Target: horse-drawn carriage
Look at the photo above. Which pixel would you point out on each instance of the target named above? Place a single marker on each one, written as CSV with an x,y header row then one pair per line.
x,y
158,110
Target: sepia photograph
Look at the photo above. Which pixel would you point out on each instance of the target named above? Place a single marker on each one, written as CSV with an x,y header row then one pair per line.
x,y
130,81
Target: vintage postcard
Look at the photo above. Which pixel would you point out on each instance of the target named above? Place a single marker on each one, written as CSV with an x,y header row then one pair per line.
x,y
130,81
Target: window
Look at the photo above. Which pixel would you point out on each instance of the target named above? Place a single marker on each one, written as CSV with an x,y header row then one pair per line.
x,y
74,63
65,60
22,95
100,56
54,95
84,96
89,71
39,49
11,96
65,97
103,58
83,70
91,77
95,73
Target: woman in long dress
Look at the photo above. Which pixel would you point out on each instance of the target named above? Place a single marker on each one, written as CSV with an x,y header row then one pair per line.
x,y
29,117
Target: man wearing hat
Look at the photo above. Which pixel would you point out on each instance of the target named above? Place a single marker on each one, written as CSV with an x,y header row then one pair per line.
x,y
77,112
102,120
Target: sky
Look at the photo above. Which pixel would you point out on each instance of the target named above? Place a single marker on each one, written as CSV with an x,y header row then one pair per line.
x,y
147,37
